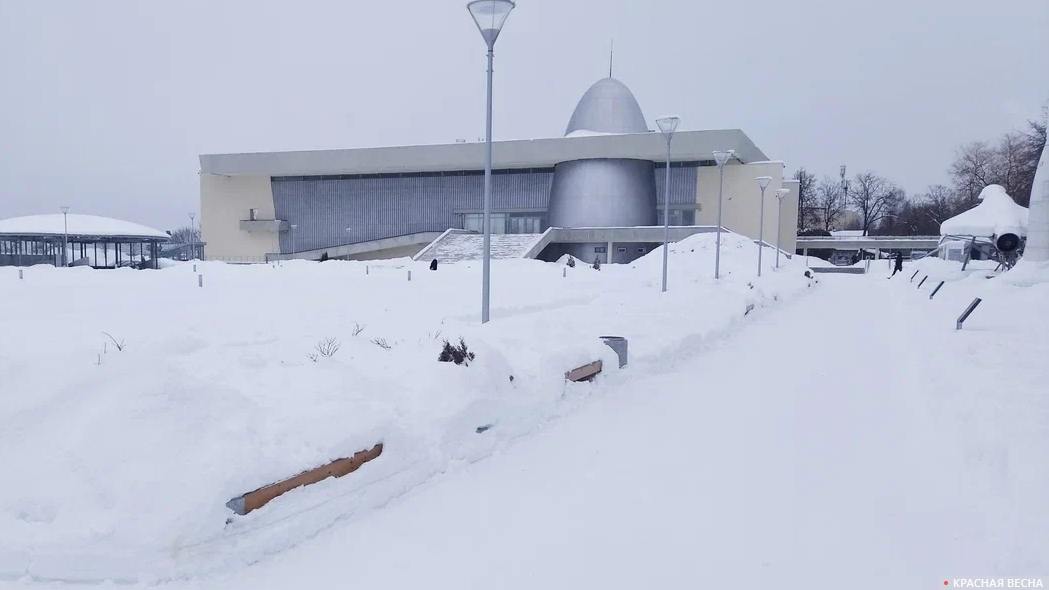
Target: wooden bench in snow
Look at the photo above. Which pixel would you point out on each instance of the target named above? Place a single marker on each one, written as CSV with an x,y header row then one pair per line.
x,y
337,468
584,373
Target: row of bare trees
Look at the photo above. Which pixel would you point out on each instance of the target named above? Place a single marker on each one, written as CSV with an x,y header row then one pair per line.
x,y
876,205
829,204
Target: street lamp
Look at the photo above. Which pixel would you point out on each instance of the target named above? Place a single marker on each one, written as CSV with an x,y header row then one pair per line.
x,y
780,193
192,236
720,157
763,182
489,16
667,125
65,234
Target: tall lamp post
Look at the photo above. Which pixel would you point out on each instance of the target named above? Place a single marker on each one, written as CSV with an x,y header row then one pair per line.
x,y
489,16
193,236
294,239
763,182
780,193
667,125
65,234
720,157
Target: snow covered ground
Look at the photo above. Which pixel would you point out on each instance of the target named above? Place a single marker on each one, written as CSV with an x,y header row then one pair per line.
x,y
125,458
850,437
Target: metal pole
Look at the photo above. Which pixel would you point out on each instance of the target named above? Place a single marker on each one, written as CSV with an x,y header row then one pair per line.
x,y
761,230
487,262
666,217
717,248
65,236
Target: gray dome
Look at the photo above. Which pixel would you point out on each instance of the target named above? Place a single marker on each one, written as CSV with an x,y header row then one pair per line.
x,y
608,107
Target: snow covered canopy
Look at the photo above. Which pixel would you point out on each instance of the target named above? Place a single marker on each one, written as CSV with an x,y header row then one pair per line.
x,y
81,226
78,240
996,215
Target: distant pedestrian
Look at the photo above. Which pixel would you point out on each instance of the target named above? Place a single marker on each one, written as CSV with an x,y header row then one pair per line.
x,y
898,266
433,265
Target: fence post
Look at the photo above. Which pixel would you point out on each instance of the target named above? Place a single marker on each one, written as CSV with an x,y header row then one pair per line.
x,y
366,269
409,276
933,294
200,280
923,281
915,274
564,272
19,274
965,314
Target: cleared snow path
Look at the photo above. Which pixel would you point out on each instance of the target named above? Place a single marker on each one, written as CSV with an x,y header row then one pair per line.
x,y
851,439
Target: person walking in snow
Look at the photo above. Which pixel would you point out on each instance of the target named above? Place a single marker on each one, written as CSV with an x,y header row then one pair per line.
x,y
898,266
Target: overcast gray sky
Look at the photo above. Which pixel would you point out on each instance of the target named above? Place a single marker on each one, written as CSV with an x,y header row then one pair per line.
x,y
106,104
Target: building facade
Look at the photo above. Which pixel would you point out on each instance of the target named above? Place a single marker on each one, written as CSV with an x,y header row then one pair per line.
x,y
607,171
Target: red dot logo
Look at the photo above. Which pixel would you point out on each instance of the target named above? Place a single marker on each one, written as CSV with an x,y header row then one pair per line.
x,y
945,582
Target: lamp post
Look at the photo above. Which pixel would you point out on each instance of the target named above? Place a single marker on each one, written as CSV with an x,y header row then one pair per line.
x,y
763,182
192,236
667,125
294,240
780,193
720,157
489,16
65,234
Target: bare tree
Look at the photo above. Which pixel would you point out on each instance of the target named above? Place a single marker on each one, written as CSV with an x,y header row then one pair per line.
x,y
828,204
875,199
972,170
806,199
940,204
185,235
1008,166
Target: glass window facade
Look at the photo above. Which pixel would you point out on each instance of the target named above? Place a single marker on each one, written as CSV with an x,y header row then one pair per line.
x,y
503,223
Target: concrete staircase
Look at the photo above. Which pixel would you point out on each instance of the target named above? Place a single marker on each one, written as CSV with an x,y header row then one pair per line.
x,y
459,245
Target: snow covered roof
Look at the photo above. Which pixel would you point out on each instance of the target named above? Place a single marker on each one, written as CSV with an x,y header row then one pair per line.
x,y
997,214
847,233
93,226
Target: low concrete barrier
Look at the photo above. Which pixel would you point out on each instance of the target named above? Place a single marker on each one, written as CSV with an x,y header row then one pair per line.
x,y
584,373
843,270
337,468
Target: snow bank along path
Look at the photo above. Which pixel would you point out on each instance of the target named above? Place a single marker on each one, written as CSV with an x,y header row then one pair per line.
x,y
126,458
852,440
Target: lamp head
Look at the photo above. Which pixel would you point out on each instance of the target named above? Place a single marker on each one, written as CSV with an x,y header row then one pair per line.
x,y
763,181
722,156
489,16
667,125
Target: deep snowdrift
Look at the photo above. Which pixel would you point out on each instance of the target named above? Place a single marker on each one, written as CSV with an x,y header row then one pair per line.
x,y
126,458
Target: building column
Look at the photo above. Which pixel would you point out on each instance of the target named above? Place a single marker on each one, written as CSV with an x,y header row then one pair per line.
x,y
609,250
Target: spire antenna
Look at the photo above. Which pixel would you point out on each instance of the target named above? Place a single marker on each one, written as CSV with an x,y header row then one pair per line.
x,y
610,50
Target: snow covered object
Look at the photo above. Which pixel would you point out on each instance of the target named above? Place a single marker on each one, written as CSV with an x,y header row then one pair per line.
x,y
76,224
1038,230
997,217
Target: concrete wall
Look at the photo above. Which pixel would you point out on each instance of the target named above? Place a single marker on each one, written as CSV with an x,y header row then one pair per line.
x,y
790,217
399,252
742,201
224,202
